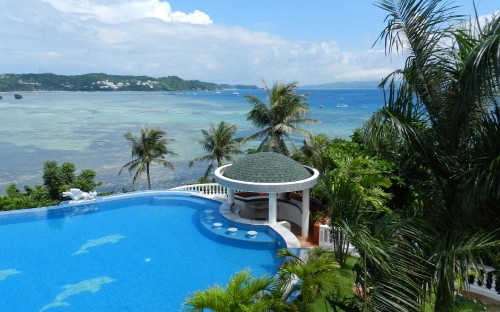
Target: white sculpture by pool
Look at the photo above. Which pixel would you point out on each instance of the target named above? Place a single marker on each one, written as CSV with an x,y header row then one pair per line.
x,y
77,194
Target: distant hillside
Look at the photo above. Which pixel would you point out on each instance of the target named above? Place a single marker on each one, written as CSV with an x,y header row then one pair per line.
x,y
345,85
104,82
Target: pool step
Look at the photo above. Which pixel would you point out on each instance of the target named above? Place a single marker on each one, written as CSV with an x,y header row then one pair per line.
x,y
221,227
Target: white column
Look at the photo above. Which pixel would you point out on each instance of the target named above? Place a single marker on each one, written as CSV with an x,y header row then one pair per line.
x,y
305,213
273,208
230,196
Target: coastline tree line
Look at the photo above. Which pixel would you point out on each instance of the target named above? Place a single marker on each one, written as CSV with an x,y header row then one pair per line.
x,y
416,191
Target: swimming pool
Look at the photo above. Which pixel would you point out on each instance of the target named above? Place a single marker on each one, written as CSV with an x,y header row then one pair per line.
x,y
139,252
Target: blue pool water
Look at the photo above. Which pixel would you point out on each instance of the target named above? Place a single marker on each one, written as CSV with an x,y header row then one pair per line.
x,y
137,253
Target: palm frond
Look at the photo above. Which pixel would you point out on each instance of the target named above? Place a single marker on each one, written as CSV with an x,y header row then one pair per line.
x,y
220,143
437,126
282,116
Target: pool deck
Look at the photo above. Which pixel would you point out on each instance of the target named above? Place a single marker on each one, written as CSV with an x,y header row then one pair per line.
x,y
304,242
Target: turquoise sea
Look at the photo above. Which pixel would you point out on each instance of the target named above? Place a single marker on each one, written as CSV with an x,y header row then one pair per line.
x,y
87,128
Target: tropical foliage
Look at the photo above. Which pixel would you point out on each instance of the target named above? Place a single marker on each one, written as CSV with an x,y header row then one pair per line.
x,y
30,198
150,146
440,126
312,276
57,179
220,143
312,153
356,186
353,190
280,118
243,293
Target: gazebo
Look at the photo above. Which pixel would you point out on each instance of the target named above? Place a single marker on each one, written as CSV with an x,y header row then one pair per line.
x,y
271,173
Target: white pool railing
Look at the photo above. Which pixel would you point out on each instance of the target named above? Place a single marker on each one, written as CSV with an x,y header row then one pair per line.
x,y
207,189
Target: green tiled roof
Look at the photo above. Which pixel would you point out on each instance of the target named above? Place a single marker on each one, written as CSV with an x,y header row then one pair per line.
x,y
266,168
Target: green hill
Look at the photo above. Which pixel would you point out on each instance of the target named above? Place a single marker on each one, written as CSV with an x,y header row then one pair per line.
x,y
104,82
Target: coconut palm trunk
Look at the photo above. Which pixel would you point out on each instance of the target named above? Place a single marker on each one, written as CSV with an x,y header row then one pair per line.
x,y
148,175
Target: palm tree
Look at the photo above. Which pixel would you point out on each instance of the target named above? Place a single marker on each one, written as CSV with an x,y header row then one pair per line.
x,y
357,186
312,153
280,118
220,144
315,274
150,147
438,124
391,266
243,293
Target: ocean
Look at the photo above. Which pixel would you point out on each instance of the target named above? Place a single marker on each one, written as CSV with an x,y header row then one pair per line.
x,y
87,129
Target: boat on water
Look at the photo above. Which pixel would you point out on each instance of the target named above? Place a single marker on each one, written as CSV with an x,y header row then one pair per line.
x,y
321,106
18,96
236,93
342,105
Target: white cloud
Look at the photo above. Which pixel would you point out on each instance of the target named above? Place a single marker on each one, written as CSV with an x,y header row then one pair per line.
x,y
149,38
124,11
483,19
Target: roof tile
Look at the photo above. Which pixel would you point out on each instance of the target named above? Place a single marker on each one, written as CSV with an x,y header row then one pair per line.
x,y
266,167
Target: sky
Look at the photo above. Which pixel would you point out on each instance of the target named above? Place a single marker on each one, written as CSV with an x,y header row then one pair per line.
x,y
221,41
